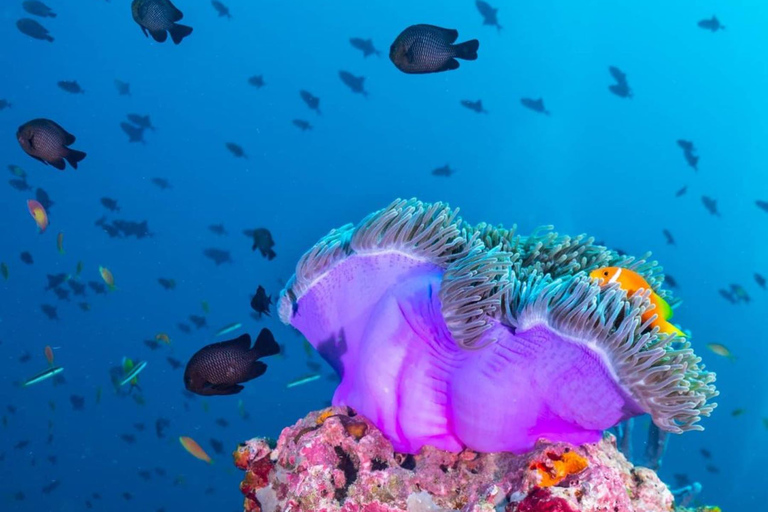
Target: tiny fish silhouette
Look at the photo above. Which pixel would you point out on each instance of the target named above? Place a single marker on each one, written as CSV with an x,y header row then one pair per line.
x,y
158,18
222,9
537,105
217,229
365,46
198,321
97,287
135,133
38,9
670,239
355,83
33,29
236,150
312,101
46,141
168,284
221,368
429,49
218,446
621,87
218,256
763,205
671,281
443,171
712,24
163,183
49,311
681,192
688,153
77,288
711,205
760,280
302,125
261,301
476,106
110,204
489,14
4,104
44,199
257,81
20,184
70,86
123,88
141,121
263,241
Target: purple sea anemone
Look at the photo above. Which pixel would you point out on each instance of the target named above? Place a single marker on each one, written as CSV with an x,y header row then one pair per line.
x,y
456,336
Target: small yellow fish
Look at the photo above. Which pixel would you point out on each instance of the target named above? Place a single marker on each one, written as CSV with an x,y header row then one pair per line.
x,y
163,337
60,242
79,269
194,449
206,306
721,350
107,276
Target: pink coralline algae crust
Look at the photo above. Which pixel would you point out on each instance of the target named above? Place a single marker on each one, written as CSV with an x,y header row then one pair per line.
x,y
337,461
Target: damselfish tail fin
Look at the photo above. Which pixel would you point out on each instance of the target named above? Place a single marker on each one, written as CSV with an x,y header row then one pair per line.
x,y
467,50
179,32
74,156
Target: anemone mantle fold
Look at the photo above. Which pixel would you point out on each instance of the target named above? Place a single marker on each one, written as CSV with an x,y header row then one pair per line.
x,y
457,336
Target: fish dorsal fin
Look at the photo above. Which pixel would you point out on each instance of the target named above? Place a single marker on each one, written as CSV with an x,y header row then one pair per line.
x,y
265,344
240,343
450,34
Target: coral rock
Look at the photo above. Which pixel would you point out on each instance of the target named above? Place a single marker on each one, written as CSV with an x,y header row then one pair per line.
x,y
320,464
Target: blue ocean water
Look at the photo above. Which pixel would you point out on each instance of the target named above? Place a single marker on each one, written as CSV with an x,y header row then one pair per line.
x,y
599,164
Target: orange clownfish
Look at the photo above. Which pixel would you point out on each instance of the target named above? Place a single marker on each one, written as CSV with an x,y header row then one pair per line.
x,y
37,212
630,281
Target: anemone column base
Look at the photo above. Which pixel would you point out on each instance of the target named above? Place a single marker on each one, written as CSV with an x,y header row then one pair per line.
x,y
336,460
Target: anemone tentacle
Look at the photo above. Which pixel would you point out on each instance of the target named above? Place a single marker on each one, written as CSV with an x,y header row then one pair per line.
x,y
470,293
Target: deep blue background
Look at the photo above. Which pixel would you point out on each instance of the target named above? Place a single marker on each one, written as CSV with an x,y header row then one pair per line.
x,y
600,164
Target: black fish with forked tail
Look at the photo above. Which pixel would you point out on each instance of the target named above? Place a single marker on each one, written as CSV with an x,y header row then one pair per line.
x,y
158,18
221,368
430,49
46,141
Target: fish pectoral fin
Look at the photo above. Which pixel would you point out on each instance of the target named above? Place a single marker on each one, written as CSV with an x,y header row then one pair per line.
x,y
159,35
451,64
